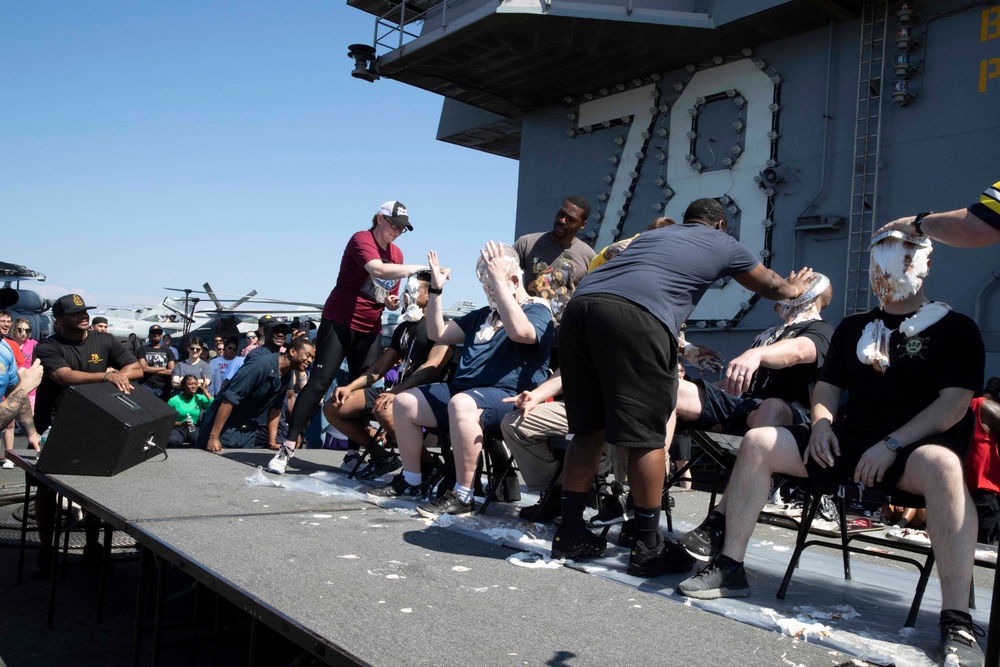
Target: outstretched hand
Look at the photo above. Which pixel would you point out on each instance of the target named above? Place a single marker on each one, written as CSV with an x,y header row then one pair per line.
x,y
801,280
438,274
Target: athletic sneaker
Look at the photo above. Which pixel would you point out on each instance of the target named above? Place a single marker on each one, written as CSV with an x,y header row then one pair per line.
x,y
7,464
666,557
828,509
350,460
722,578
380,466
449,503
705,541
617,508
279,463
575,547
958,646
398,488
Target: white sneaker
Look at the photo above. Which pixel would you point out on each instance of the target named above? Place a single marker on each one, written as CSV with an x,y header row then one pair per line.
x,y
280,461
7,464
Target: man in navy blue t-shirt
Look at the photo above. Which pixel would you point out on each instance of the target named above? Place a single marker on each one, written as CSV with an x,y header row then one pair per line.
x,y
618,355
505,351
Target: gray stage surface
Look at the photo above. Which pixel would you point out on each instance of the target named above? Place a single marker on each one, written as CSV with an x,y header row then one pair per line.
x,y
356,582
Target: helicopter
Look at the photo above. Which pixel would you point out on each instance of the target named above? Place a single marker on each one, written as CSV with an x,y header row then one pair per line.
x,y
224,319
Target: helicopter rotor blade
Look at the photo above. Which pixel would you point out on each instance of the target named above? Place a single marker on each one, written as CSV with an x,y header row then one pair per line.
x,y
211,295
249,296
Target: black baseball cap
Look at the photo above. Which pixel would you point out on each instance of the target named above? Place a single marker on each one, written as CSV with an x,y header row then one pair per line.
x,y
69,304
277,324
99,320
156,328
397,214
265,320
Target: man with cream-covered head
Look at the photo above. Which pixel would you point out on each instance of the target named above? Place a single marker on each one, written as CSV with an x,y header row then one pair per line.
x,y
505,351
910,367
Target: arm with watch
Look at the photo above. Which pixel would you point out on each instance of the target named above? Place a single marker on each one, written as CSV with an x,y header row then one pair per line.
x,y
439,331
946,411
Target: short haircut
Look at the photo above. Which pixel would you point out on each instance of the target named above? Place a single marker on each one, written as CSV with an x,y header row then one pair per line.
x,y
707,211
195,340
582,202
992,386
4,312
233,340
659,223
185,379
297,344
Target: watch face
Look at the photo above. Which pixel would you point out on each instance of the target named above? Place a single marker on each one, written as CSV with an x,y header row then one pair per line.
x,y
893,444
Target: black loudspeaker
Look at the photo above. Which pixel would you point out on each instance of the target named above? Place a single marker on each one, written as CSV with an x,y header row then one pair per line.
x,y
98,430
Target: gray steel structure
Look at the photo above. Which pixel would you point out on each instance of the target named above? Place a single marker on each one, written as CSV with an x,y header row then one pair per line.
x,y
813,121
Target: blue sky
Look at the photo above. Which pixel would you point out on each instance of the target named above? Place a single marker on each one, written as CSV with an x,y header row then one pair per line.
x,y
145,145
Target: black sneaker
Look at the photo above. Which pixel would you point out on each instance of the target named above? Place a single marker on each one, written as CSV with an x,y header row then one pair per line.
x,y
449,503
666,557
958,646
705,541
576,547
546,509
380,466
717,580
397,488
617,508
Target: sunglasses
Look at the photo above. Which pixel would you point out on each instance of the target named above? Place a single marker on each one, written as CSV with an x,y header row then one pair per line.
x,y
195,349
251,337
23,330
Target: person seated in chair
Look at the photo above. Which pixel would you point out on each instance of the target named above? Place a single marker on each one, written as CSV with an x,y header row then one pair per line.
x,y
505,351
910,368
768,385
420,361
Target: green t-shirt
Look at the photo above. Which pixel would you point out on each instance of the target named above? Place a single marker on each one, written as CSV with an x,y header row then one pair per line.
x,y
193,406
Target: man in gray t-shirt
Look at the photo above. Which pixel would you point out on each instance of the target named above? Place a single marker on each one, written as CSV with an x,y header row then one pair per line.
x,y
554,262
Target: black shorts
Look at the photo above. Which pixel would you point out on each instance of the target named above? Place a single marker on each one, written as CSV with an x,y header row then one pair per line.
x,y
371,393
619,368
731,412
851,450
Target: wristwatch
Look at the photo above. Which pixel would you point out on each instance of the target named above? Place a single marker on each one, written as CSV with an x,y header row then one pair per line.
x,y
892,443
917,220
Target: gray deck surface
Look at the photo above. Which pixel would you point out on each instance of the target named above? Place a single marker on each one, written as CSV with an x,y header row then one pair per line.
x,y
388,589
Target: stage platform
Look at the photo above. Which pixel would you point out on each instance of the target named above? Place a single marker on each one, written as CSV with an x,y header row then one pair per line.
x,y
354,583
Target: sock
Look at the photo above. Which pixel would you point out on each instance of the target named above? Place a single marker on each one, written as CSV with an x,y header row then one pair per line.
x,y
413,478
573,504
954,616
647,525
464,493
727,562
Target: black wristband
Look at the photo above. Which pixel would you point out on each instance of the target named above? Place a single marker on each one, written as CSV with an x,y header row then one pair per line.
x,y
917,220
434,290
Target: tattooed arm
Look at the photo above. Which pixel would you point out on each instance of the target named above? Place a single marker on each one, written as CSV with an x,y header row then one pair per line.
x,y
16,404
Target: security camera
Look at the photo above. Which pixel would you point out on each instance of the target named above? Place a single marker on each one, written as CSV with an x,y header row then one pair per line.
x,y
364,61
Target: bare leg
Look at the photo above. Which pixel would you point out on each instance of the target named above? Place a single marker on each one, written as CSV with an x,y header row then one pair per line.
x,y
764,451
411,413
345,418
583,457
466,437
936,473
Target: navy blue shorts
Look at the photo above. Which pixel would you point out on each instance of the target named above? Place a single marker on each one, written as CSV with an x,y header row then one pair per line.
x,y
490,399
731,412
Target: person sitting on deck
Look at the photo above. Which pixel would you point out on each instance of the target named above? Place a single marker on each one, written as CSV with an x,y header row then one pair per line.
x,y
420,361
910,368
768,385
505,351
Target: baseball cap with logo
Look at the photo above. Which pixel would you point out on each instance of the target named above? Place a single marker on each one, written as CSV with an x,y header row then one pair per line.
x,y
265,320
155,328
69,304
397,214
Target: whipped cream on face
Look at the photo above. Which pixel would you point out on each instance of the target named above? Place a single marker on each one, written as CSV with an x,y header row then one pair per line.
x,y
411,311
898,269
